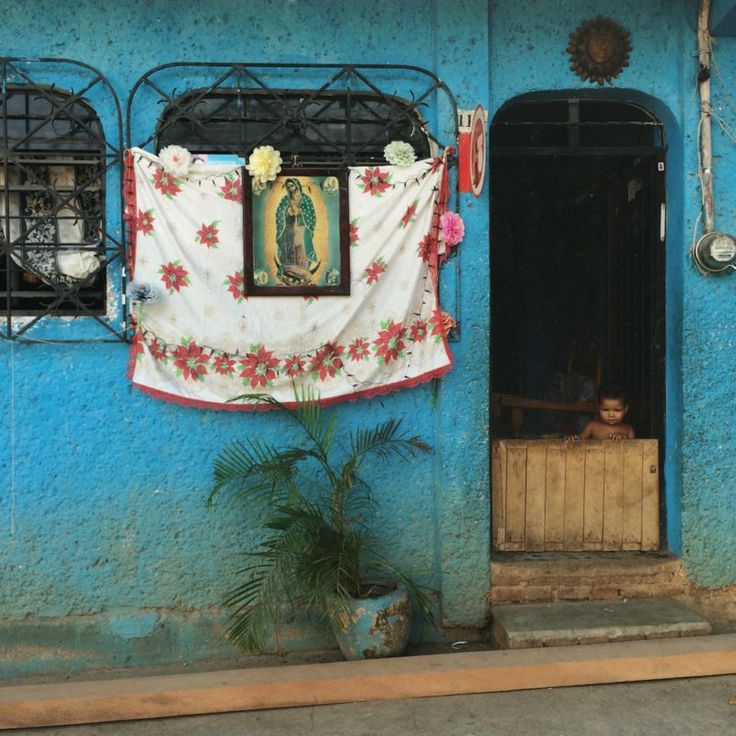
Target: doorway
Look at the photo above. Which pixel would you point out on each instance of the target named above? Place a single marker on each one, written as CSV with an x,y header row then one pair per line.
x,y
577,265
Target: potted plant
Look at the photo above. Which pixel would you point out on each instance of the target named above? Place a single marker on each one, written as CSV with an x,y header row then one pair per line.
x,y
318,553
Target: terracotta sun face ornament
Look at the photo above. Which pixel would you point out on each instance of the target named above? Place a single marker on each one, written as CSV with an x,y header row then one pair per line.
x,y
599,50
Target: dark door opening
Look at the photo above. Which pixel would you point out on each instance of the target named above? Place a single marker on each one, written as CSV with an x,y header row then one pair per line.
x,y
577,258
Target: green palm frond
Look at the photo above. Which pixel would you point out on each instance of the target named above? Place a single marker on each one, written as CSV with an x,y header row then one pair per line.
x,y
257,472
318,543
385,440
255,606
307,413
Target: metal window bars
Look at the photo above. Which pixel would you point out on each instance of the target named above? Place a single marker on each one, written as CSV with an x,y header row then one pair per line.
x,y
572,126
315,114
60,202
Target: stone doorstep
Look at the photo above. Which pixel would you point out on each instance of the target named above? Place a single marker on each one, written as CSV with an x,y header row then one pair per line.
x,y
574,565
569,623
553,576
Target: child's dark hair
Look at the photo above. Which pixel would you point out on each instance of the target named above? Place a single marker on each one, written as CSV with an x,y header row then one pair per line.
x,y
612,391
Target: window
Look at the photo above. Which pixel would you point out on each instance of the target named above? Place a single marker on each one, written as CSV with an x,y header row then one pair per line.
x,y
52,165
328,128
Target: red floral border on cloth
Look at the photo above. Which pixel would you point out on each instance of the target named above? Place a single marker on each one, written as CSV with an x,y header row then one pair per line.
x,y
189,364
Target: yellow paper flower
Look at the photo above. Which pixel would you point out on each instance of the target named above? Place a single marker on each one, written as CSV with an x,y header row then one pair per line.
x,y
264,164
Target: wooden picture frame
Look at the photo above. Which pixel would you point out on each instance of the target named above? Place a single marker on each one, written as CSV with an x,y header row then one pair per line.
x,y
297,235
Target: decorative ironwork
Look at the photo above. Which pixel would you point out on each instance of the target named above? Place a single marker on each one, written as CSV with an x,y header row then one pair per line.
x,y
57,252
343,120
572,126
599,49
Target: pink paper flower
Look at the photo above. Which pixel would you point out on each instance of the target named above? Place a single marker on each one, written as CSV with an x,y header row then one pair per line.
x,y
453,228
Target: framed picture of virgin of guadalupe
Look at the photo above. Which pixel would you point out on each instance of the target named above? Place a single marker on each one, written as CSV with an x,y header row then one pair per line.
x,y
297,237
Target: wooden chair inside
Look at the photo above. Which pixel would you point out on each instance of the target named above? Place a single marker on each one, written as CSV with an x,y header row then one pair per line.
x,y
583,361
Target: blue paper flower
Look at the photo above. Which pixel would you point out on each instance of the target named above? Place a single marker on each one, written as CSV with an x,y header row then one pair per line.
x,y
143,293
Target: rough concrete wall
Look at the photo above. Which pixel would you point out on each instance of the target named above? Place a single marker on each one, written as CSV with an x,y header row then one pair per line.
x,y
107,553
709,363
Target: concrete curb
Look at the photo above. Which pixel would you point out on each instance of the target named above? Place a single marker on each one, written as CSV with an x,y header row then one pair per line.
x,y
31,706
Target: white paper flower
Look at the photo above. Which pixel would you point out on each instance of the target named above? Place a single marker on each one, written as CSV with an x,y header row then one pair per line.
x,y
264,164
176,160
399,153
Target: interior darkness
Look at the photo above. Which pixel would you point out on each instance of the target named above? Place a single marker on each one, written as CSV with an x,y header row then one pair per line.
x,y
330,127
576,255
42,136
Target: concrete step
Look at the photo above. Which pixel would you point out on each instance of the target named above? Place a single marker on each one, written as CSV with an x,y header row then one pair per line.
x,y
529,577
593,622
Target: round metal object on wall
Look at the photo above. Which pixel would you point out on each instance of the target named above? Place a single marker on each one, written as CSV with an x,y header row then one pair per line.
x,y
477,151
599,49
715,252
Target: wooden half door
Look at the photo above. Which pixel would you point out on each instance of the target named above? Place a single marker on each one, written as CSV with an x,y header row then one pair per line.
x,y
574,496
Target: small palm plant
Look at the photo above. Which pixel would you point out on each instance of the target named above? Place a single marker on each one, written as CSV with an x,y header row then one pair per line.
x,y
318,550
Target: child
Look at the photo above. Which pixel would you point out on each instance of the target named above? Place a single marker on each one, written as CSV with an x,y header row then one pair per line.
x,y
612,408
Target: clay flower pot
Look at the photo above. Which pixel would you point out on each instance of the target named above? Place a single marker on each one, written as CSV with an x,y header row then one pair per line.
x,y
376,624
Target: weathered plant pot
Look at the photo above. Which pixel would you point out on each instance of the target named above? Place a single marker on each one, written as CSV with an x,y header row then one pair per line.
x,y
376,625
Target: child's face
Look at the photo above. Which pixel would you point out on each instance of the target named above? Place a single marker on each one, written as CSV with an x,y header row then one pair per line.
x,y
612,411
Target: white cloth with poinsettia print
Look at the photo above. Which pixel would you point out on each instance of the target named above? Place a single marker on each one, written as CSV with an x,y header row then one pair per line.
x,y
204,341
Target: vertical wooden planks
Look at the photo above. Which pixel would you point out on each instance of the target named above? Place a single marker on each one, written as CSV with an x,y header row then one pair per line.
x,y
574,495
593,491
650,496
554,522
536,462
613,494
633,484
592,495
498,493
516,454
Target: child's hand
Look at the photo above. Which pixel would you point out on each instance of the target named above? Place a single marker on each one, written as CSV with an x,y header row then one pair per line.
x,y
617,436
573,438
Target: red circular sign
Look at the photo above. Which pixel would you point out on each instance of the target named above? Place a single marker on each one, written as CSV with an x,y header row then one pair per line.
x,y
477,150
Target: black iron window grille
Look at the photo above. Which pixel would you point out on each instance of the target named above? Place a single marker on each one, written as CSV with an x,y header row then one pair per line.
x,y
329,129
338,115
57,255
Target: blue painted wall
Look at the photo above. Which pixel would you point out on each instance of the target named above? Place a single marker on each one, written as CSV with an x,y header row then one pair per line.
x,y
107,554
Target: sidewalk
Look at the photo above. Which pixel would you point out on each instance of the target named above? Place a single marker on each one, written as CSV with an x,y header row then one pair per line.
x,y
409,689
687,707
